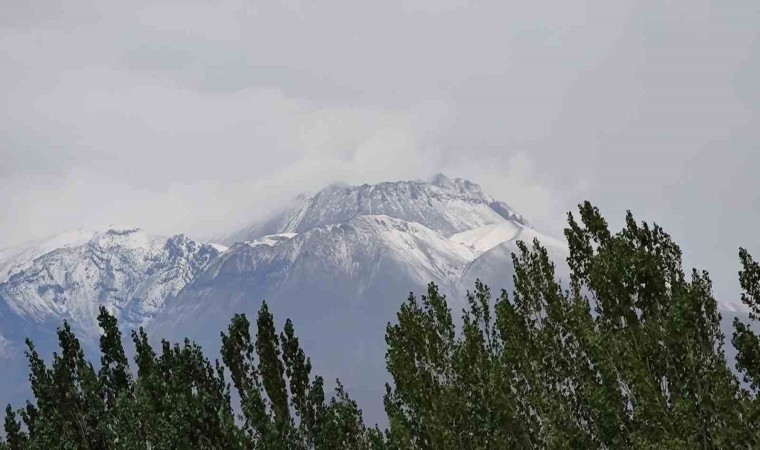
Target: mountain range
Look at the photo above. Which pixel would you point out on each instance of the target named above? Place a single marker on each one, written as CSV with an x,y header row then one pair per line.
x,y
338,263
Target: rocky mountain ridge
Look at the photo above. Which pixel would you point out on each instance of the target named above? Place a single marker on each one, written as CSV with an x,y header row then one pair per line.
x,y
129,271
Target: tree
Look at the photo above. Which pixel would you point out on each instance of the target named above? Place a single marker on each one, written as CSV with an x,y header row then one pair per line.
x,y
238,356
746,341
272,375
183,399
272,371
15,438
69,411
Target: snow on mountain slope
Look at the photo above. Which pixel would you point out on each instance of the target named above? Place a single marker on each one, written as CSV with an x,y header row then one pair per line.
x,y
353,251
271,240
6,348
482,239
19,257
70,276
221,248
444,205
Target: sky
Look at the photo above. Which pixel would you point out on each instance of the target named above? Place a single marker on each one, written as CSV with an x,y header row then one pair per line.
x,y
200,116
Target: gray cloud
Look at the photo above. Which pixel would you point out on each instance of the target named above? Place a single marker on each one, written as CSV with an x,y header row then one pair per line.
x,y
194,116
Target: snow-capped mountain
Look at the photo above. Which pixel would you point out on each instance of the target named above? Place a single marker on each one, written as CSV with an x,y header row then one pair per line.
x,y
69,276
350,241
338,264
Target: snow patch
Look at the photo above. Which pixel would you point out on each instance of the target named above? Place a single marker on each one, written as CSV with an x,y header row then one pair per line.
x,y
483,239
7,349
272,239
220,247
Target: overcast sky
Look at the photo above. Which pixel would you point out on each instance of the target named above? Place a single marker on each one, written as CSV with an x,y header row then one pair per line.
x,y
197,116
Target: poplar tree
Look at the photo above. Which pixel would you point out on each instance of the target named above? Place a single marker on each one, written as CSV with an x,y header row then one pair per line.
x,y
747,342
273,376
15,437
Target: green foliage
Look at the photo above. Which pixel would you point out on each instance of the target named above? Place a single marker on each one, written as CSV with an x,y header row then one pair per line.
x,y
70,410
180,399
747,342
625,353
272,375
15,438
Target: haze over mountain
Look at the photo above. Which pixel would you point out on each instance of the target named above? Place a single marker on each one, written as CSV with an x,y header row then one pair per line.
x,y
445,205
338,263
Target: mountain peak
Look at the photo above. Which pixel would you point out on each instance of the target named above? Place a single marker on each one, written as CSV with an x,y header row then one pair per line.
x,y
441,179
446,205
